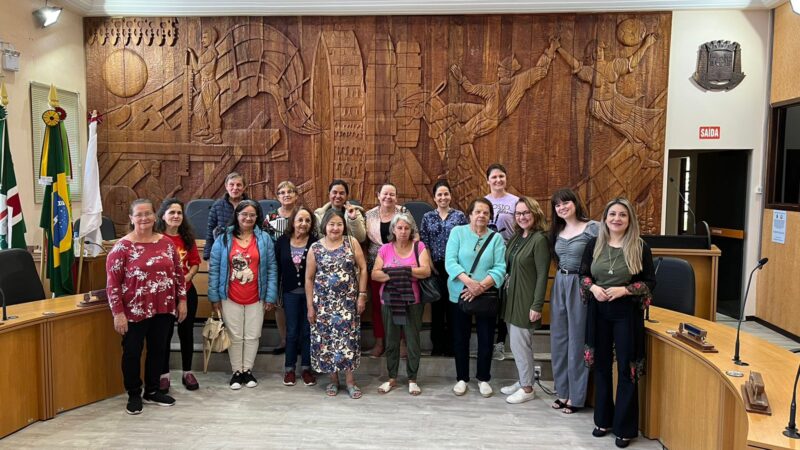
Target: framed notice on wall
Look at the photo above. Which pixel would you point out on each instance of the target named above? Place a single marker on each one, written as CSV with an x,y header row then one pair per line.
x,y
778,226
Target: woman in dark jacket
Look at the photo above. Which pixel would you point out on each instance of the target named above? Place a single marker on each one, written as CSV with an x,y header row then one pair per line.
x,y
617,277
291,251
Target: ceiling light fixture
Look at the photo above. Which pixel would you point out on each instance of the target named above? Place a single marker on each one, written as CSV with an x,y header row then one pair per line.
x,y
47,15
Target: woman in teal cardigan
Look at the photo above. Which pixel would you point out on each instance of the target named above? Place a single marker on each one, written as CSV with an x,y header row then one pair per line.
x,y
528,261
463,247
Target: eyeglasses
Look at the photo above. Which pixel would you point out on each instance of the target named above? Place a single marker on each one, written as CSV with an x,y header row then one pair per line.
x,y
143,215
248,215
282,193
522,213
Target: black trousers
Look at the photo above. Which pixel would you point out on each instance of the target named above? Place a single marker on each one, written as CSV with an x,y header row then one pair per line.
x,y
614,334
441,318
185,333
153,330
462,331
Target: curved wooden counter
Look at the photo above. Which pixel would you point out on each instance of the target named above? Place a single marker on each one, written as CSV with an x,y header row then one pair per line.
x,y
689,402
56,357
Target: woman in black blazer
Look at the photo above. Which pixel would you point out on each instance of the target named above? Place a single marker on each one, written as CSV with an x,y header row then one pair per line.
x,y
617,277
291,251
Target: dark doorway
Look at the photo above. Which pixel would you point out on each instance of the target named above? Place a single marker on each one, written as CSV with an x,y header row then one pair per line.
x,y
721,196
714,185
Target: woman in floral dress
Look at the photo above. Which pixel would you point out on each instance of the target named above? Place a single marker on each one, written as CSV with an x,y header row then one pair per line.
x,y
336,292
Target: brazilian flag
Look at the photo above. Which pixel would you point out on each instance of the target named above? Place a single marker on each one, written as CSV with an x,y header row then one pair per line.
x,y
56,217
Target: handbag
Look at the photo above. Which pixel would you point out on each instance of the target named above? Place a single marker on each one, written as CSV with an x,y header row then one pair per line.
x,y
215,339
428,287
487,303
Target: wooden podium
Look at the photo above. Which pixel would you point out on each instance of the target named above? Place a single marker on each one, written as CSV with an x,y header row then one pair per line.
x,y
705,263
93,275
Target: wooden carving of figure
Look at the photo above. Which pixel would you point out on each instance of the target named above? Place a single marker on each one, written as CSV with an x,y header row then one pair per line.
x,y
207,110
501,98
151,185
609,106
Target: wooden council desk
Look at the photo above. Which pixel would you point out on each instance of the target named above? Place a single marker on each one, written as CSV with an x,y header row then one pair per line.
x,y
56,362
688,402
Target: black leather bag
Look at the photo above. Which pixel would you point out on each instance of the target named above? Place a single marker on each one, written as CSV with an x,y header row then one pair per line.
x,y
428,287
487,303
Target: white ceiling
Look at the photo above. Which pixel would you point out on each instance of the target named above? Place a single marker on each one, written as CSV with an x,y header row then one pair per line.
x,y
385,7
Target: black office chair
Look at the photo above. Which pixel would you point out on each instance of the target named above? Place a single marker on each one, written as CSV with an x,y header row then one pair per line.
x,y
106,229
197,215
19,280
418,209
675,286
268,205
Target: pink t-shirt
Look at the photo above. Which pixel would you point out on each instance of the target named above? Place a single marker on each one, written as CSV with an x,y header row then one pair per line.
x,y
391,259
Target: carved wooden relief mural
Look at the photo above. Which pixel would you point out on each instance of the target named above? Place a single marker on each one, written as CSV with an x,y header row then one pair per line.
x,y
561,100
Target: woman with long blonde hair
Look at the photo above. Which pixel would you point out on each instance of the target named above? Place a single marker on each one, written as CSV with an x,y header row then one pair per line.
x,y
617,278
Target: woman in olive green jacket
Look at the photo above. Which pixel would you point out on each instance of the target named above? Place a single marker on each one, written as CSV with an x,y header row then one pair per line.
x,y
527,262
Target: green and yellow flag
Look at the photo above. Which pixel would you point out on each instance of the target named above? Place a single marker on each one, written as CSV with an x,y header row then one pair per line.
x,y
56,220
12,225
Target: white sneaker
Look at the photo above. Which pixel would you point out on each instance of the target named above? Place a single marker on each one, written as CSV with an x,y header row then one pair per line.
x,y
499,352
508,390
460,388
520,396
485,388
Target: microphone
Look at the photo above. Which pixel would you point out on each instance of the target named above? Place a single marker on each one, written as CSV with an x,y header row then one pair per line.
x,y
791,428
95,244
647,310
691,211
5,315
761,263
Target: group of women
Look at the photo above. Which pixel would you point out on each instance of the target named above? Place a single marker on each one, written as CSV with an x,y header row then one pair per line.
x,y
310,266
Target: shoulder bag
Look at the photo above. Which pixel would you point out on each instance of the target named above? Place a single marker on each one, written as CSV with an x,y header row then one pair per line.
x,y
487,303
428,287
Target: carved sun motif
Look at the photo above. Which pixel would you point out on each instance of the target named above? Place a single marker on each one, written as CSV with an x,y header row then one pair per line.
x,y
630,32
125,73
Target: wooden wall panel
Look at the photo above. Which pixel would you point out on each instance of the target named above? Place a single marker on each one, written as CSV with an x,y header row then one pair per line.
x,y
785,48
374,99
778,289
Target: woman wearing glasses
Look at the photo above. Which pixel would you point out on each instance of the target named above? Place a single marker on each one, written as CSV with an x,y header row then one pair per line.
x,y
242,284
465,283
527,262
276,223
146,290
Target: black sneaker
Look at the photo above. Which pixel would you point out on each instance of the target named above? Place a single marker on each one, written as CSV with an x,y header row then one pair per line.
x,y
248,379
157,398
237,380
134,406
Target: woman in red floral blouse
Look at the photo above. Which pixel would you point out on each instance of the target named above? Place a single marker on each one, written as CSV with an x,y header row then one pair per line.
x,y
146,288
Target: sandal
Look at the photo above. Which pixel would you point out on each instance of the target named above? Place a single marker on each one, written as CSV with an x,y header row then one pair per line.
x,y
354,391
332,389
571,409
386,387
413,389
558,404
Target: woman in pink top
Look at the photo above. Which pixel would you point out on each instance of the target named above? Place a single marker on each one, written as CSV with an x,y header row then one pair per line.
x,y
398,266
146,289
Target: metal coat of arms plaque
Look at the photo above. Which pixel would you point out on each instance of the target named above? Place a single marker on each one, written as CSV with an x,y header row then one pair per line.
x,y
719,66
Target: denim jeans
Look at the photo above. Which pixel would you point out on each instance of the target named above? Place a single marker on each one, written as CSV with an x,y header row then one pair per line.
x,y
298,331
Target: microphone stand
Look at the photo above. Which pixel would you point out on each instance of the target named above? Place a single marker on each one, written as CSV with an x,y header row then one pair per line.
x,y
791,428
736,359
5,315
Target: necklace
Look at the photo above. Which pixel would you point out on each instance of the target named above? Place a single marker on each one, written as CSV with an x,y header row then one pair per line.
x,y
611,270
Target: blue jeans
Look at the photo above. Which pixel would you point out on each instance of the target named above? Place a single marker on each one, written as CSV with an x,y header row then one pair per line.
x,y
298,331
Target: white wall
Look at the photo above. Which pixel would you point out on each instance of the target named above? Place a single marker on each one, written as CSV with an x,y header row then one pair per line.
x,y
52,55
741,113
